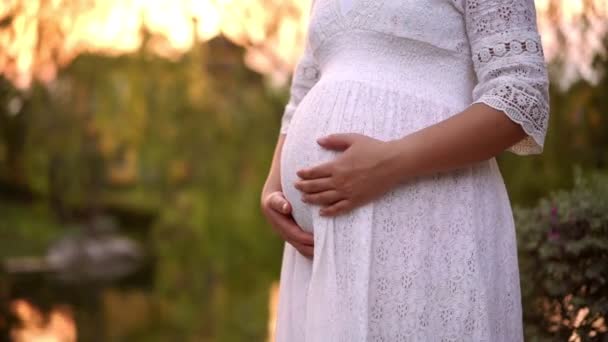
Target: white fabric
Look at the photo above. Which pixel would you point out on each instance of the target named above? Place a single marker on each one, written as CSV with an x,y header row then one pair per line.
x,y
435,258
346,5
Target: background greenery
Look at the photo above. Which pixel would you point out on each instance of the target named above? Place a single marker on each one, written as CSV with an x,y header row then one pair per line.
x,y
177,151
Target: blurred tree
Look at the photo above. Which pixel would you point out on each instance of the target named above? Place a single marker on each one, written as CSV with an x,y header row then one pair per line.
x,y
577,136
189,138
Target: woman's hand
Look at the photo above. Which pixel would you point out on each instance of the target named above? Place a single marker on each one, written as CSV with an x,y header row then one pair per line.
x,y
278,212
369,167
361,173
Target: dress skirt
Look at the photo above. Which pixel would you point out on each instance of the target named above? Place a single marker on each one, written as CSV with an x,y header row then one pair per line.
x,y
434,259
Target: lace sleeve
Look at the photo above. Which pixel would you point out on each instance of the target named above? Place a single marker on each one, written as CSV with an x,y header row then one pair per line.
x,y
509,63
305,75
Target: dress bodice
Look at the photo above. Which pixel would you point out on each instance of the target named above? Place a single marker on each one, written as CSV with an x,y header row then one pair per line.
x,y
346,5
437,22
455,51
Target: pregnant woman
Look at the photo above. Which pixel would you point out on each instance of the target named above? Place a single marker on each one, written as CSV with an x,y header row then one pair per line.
x,y
384,182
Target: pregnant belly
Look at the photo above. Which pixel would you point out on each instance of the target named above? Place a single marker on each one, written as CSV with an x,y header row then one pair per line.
x,y
346,106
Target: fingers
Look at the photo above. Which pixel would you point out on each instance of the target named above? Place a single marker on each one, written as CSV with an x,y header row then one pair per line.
x,y
305,250
290,231
324,198
338,142
336,208
319,171
279,203
315,185
286,227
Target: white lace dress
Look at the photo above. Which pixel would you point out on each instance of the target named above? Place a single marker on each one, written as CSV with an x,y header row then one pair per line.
x,y
435,259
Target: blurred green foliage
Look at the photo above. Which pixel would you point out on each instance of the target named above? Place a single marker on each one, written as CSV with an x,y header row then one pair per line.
x,y
577,136
179,150
189,141
563,255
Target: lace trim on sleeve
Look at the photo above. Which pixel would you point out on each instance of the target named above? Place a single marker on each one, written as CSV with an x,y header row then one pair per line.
x,y
523,110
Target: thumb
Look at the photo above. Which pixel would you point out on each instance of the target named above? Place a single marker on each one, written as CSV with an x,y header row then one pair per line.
x,y
338,142
279,203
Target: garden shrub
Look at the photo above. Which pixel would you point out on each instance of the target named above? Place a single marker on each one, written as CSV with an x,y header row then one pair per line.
x,y
563,258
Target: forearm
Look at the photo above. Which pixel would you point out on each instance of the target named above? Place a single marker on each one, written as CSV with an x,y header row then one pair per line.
x,y
478,133
273,181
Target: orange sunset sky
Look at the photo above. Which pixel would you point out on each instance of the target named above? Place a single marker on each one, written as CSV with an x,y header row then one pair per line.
x,y
39,36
